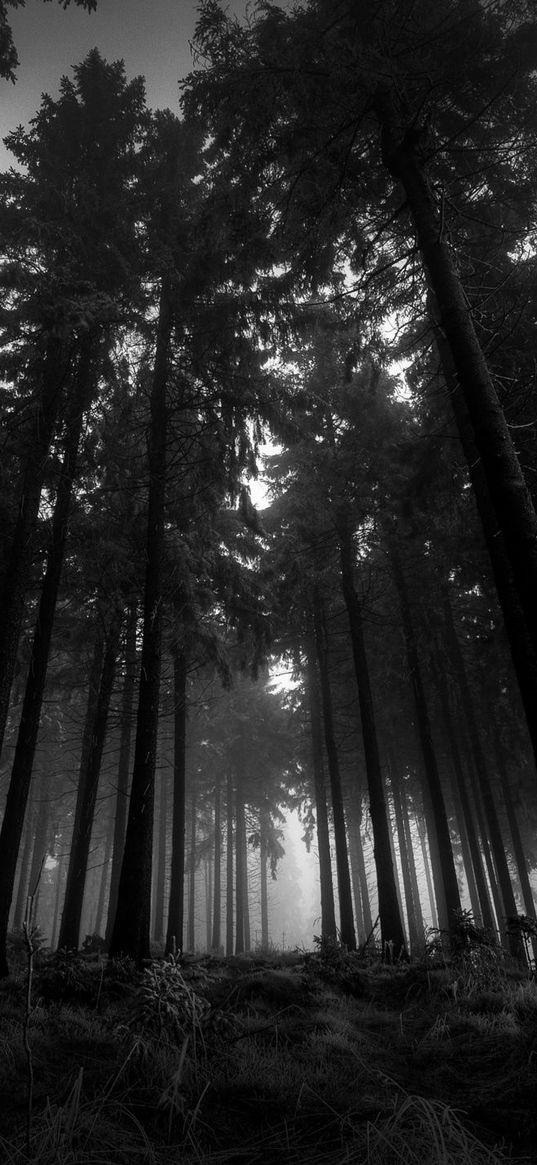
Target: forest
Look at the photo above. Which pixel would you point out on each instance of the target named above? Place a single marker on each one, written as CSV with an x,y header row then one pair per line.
x,y
268,483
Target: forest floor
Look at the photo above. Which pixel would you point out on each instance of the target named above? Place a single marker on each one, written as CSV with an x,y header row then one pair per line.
x,y
318,1057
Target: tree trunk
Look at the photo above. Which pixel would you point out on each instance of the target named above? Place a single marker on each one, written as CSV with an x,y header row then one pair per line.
x,y
355,845
263,864
346,917
475,864
412,862
328,913
41,842
21,773
523,654
415,938
493,826
174,934
229,863
24,870
444,873
216,938
130,935
107,854
518,847
87,794
19,557
122,795
208,869
391,926
240,844
422,833
57,902
506,484
160,863
191,925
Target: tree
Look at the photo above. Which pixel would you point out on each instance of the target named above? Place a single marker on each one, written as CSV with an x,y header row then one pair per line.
x,y
70,270
8,53
341,113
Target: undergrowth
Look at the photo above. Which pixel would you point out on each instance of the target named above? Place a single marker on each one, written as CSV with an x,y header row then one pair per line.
x,y
329,1057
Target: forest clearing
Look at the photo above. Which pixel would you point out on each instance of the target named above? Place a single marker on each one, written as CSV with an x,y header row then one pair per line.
x,y
268,585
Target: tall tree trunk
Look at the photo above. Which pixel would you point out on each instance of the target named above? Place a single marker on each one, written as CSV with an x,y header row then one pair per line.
x,y
87,794
174,934
391,925
444,873
240,840
216,938
355,843
362,872
41,842
160,863
122,794
422,834
505,480
518,847
19,557
523,653
208,902
107,854
475,864
58,895
21,773
414,935
412,861
130,935
346,917
328,912
24,869
191,926
493,826
229,862
263,864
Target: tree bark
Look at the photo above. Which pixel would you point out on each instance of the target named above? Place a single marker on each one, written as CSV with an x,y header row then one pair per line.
x,y
475,864
422,833
160,863
19,559
130,935
444,873
354,846
122,794
240,842
90,769
507,488
107,854
493,826
328,913
24,870
412,862
174,933
346,917
391,925
415,939
23,761
523,654
263,864
518,847
216,938
358,849
192,861
229,862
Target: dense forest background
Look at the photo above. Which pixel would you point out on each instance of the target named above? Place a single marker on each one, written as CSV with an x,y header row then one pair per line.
x,y
326,256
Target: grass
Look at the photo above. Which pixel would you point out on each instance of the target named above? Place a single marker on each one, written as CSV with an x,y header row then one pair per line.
x,y
327,1061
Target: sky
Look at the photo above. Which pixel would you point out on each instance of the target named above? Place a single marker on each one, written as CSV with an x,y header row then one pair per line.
x,y
151,36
